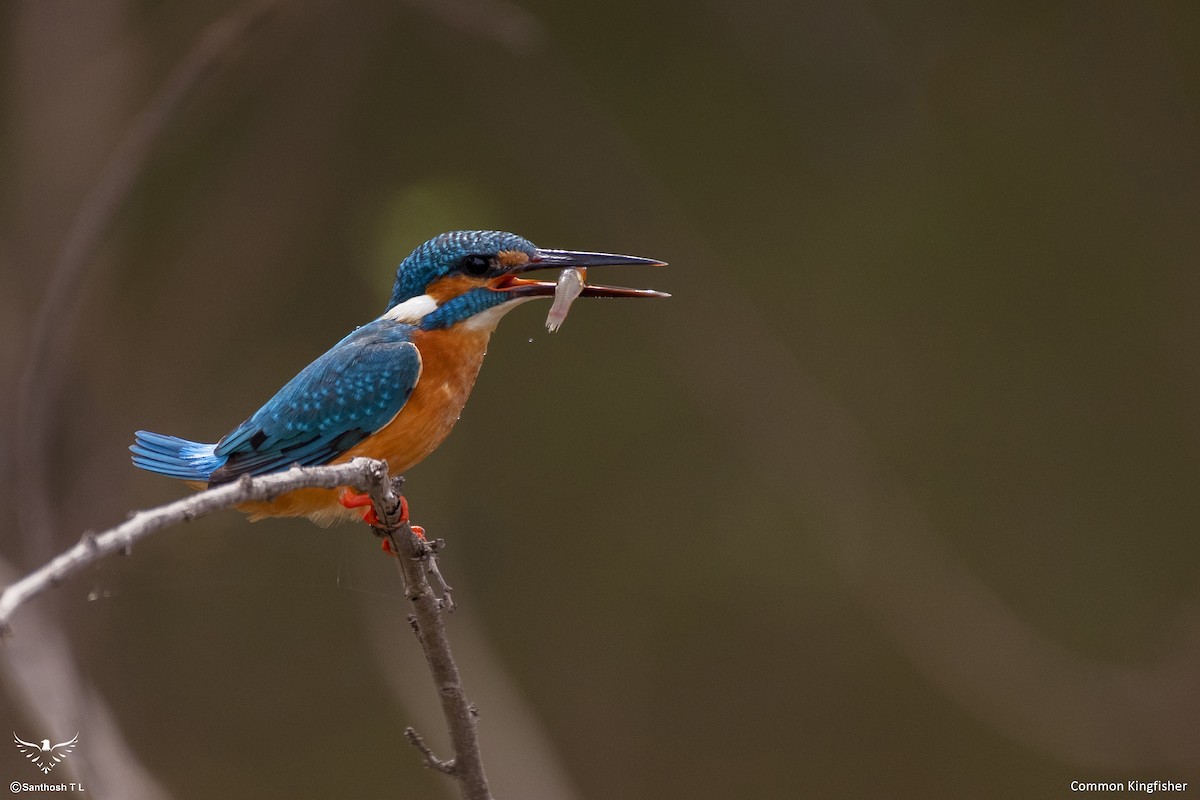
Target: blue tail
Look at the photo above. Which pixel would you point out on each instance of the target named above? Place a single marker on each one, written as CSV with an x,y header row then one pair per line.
x,y
175,457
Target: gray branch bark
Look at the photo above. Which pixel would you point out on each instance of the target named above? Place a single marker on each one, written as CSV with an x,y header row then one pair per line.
x,y
415,560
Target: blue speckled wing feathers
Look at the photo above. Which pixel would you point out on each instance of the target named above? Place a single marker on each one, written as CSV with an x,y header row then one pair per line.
x,y
340,399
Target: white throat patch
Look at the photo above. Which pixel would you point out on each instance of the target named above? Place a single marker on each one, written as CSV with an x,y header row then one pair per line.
x,y
489,319
411,310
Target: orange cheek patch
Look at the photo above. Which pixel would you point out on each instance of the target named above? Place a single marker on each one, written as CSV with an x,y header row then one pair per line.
x,y
447,288
512,258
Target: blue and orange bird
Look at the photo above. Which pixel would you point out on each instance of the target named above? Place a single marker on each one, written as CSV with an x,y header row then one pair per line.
x,y
394,387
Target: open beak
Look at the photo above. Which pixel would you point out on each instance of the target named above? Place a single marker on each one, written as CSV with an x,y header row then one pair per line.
x,y
564,259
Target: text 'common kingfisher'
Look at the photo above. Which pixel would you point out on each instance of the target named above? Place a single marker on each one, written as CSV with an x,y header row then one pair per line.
x,y
393,388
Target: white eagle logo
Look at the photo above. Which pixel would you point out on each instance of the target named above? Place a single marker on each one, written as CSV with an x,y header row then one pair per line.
x,y
45,756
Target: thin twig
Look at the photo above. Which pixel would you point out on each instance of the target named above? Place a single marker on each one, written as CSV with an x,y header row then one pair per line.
x,y
414,557
459,713
431,761
364,474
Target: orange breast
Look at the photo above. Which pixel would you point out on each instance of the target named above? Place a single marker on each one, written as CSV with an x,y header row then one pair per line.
x,y
450,362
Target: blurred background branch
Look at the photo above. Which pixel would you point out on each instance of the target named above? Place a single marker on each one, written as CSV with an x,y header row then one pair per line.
x,y
45,365
110,766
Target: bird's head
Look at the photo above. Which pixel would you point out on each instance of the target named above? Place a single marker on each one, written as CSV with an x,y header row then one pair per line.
x,y
473,276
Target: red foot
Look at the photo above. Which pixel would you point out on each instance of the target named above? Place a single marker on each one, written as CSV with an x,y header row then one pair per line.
x,y
350,499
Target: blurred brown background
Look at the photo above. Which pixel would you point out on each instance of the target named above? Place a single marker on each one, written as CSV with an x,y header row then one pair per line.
x,y
895,497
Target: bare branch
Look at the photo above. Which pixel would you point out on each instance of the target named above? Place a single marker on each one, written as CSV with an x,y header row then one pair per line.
x,y
415,559
431,761
364,474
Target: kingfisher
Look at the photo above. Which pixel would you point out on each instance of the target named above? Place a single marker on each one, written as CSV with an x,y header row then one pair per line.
x,y
393,388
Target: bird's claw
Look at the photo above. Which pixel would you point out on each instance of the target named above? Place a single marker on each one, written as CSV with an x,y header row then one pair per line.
x,y
350,499
428,550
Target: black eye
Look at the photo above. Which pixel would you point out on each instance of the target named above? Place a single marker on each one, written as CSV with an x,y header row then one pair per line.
x,y
476,266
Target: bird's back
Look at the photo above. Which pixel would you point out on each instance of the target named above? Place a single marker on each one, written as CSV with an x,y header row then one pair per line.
x,y
450,360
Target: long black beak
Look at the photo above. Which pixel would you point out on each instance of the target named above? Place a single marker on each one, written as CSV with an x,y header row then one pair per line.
x,y
579,258
564,259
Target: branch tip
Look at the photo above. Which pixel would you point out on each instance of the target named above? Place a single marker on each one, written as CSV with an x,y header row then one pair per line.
x,y
431,761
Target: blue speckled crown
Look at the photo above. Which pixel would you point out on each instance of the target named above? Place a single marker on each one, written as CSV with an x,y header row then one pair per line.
x,y
442,254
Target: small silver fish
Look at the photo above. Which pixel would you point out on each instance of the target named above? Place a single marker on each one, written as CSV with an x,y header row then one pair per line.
x,y
570,284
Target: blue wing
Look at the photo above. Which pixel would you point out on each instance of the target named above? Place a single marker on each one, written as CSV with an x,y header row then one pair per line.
x,y
333,404
343,397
